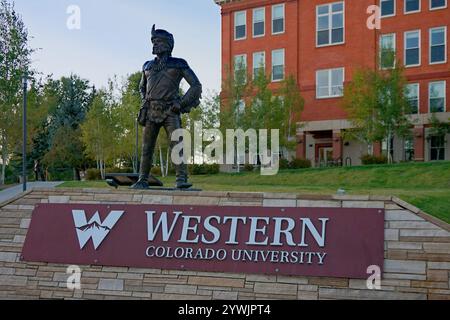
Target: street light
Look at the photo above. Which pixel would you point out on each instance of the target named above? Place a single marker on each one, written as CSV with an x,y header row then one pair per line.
x,y
24,146
136,168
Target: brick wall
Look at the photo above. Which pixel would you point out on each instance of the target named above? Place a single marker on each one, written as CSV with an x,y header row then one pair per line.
x,y
417,252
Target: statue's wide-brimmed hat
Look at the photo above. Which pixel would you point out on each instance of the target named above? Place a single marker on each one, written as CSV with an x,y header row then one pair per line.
x,y
163,34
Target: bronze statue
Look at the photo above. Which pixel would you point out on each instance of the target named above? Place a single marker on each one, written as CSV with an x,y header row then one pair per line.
x,y
162,105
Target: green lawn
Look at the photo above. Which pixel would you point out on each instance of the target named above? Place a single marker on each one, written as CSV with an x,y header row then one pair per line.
x,y
425,185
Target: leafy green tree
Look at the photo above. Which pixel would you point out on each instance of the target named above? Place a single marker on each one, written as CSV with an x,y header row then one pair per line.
x,y
74,97
97,132
377,106
15,62
67,150
439,129
125,115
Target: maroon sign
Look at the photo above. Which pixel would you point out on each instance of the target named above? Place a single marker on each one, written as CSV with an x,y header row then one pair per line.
x,y
332,242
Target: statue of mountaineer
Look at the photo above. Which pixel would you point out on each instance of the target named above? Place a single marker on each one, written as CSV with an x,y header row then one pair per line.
x,y
162,105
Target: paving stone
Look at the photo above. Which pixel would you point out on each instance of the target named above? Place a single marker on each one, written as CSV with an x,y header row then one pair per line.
x,y
425,233
412,225
363,204
110,284
404,276
211,281
437,247
318,204
10,280
58,199
8,256
287,203
276,288
307,295
225,295
401,215
404,245
156,199
404,266
180,289
439,265
343,293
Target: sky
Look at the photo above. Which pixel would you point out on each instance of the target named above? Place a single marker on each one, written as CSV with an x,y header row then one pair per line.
x,y
114,36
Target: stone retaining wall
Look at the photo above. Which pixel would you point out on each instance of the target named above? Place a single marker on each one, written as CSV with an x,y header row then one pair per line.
x,y
417,254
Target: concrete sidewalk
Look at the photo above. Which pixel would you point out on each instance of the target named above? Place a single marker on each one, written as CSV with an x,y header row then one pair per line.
x,y
10,193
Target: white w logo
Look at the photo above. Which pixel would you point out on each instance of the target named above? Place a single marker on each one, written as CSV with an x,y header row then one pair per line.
x,y
95,228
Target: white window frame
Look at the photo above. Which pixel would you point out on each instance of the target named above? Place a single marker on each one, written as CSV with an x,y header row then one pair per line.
x,y
438,8
420,49
253,22
411,12
418,95
284,65
264,65
246,28
330,83
330,24
391,15
394,48
284,18
445,44
429,94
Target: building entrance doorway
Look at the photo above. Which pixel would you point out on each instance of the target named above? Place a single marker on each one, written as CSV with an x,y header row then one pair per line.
x,y
324,155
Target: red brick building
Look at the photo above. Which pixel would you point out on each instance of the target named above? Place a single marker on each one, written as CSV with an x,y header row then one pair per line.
x,y
321,43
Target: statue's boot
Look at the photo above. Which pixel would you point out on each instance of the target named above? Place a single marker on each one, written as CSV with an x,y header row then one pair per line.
x,y
183,185
141,184
182,182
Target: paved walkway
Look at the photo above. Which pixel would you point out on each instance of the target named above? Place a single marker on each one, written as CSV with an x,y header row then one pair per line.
x,y
10,193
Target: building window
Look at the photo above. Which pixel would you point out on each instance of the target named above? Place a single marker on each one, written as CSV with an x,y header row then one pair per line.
x,y
409,149
278,19
278,65
438,4
412,6
437,148
259,64
259,18
240,68
412,48
438,45
387,8
437,96
330,24
330,83
412,94
387,51
240,25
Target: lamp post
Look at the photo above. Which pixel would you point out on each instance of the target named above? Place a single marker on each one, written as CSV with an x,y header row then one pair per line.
x,y
24,146
136,169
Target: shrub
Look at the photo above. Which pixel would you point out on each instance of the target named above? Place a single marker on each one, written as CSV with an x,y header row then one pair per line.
x,y
249,167
300,164
119,170
212,168
284,163
93,175
202,169
156,171
370,159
